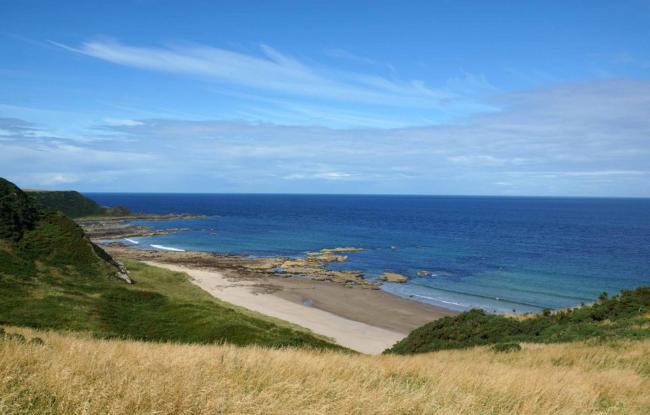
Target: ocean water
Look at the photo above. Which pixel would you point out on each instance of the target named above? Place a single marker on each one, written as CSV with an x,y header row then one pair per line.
x,y
496,253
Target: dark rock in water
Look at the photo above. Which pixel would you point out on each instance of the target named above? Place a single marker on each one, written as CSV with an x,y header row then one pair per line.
x,y
314,266
393,277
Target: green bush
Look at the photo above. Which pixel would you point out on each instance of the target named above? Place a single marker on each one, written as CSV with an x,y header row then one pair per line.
x,y
618,317
36,341
506,347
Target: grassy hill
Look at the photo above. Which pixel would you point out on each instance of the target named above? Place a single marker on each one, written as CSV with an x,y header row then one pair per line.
x,y
72,204
36,241
53,276
75,374
624,316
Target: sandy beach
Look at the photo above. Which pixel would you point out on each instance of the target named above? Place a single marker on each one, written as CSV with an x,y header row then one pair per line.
x,y
352,334
367,321
363,319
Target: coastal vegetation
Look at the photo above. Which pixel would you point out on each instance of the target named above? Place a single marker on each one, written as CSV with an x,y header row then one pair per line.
x,y
623,316
72,204
160,306
75,205
73,373
75,339
53,276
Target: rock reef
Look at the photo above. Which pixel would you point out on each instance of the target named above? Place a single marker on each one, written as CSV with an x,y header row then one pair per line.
x,y
121,227
393,277
312,266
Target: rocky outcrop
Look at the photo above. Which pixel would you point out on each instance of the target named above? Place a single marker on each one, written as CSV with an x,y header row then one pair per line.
x,y
123,273
120,270
314,267
311,266
393,277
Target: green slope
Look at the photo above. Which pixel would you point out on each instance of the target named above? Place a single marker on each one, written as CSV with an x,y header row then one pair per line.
x,y
53,276
626,315
72,204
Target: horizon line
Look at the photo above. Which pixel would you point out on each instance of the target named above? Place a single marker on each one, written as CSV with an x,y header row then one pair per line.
x,y
359,194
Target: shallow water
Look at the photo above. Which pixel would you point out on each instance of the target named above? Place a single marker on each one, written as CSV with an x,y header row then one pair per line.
x,y
497,253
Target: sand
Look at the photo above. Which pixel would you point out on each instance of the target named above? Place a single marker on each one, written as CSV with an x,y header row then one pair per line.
x,y
368,321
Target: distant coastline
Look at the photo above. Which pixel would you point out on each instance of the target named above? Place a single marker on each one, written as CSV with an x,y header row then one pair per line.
x,y
503,255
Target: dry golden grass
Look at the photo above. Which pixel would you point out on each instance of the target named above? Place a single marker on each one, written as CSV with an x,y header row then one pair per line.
x,y
73,374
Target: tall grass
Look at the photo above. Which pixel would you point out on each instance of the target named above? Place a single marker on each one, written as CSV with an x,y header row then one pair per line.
x,y
72,374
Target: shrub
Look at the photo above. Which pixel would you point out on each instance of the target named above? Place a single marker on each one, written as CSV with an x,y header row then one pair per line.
x,y
36,341
506,347
613,317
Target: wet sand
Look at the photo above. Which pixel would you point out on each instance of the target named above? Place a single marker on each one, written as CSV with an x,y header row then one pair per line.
x,y
374,307
360,317
368,321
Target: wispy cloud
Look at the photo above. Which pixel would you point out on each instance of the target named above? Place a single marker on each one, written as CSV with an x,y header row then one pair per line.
x,y
327,175
34,157
271,70
588,139
121,122
310,92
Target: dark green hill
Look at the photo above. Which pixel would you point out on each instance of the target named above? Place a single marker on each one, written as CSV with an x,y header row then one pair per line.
x,y
17,212
72,204
53,276
34,239
626,315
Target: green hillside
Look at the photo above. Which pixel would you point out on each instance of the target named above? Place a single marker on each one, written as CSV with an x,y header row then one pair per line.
x,y
53,276
624,316
72,204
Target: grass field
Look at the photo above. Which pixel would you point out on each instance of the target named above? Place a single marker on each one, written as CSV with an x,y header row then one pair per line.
x,y
161,306
75,374
53,276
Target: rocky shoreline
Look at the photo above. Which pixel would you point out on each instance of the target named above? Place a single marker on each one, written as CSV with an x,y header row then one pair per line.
x,y
312,266
116,227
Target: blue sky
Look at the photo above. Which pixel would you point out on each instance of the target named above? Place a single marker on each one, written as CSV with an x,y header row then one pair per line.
x,y
541,98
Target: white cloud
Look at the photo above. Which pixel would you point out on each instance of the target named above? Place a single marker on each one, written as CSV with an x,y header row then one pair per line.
x,y
590,139
277,72
329,175
114,122
46,179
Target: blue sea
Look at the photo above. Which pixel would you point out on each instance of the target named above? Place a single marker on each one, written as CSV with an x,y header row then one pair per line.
x,y
496,253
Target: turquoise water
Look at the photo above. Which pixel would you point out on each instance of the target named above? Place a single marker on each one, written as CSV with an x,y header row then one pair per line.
x,y
496,253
